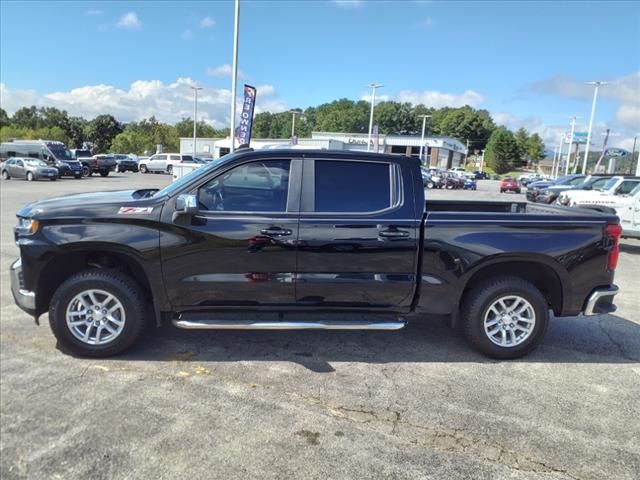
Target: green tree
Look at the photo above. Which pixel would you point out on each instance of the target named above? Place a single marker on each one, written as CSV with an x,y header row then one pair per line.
x,y
27,117
502,151
4,118
522,138
343,115
535,148
261,125
101,131
395,117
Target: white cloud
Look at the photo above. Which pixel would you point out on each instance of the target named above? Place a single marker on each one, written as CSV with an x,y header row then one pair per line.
x,y
186,35
224,70
144,98
435,99
92,12
129,21
207,22
348,3
624,91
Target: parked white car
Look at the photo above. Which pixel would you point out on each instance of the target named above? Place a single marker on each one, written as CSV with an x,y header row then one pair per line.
x,y
163,162
612,194
629,214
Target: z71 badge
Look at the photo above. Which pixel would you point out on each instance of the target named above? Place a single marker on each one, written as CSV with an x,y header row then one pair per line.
x,y
135,210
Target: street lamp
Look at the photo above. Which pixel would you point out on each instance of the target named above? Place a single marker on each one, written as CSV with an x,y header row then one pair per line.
x,y
482,161
424,124
593,112
195,114
234,79
293,121
573,129
633,152
373,87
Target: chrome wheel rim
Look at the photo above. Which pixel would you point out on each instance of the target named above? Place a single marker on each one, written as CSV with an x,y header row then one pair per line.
x,y
509,321
95,317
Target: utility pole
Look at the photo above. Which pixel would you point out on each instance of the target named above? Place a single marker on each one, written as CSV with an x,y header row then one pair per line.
x,y
373,87
555,158
195,115
573,129
593,112
424,124
234,80
482,161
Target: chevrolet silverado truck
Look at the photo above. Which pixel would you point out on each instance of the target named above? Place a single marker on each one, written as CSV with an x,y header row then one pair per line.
x,y
292,239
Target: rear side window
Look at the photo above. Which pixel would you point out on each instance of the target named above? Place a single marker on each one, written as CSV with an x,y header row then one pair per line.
x,y
626,187
576,181
352,186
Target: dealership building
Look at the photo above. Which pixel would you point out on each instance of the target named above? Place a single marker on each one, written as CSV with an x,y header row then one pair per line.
x,y
439,152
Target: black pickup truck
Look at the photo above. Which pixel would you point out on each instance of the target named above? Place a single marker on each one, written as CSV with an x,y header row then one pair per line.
x,y
293,239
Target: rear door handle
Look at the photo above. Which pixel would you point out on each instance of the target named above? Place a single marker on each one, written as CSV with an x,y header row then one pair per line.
x,y
393,233
276,232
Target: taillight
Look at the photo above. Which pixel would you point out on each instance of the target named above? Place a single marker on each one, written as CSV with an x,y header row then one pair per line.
x,y
614,231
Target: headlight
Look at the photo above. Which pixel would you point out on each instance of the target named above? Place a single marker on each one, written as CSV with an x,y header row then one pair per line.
x,y
27,226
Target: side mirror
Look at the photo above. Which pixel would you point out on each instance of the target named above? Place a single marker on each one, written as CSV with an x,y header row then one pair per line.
x,y
185,205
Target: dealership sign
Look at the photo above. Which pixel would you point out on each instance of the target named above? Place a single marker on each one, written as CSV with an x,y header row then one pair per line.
x,y
616,152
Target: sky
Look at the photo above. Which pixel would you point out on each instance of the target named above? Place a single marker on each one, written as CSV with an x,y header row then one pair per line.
x,y
525,62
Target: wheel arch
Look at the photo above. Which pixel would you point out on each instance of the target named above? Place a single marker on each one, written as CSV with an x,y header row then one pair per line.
x,y
539,270
76,258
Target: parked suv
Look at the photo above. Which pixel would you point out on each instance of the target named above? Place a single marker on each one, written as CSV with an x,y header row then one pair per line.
x,y
509,184
54,154
124,163
163,162
550,194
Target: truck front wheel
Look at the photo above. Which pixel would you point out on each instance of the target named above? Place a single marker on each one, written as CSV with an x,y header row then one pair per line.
x,y
505,317
97,313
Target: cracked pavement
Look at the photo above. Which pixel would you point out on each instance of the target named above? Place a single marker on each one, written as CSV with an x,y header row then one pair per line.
x,y
416,403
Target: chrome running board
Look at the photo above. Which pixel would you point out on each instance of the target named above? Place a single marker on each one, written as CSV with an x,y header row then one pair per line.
x,y
202,324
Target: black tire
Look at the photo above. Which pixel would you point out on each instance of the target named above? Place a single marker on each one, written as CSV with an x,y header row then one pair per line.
x,y
104,173
477,302
501,191
144,169
29,177
121,286
5,175
518,191
53,179
170,169
86,171
429,184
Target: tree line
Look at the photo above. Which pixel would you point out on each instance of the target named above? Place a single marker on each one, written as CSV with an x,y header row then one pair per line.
x,y
505,150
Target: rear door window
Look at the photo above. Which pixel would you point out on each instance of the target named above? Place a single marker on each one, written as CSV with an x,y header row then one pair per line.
x,y
346,186
626,187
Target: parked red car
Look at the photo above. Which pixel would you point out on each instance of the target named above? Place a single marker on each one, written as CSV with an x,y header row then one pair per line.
x,y
509,184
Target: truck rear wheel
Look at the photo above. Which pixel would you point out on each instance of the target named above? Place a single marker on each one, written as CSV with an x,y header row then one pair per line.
x,y
97,313
505,317
104,173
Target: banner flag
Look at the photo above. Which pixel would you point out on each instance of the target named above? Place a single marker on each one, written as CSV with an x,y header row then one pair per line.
x,y
243,132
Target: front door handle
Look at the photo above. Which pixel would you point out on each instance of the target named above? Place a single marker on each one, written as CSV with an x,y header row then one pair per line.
x,y
276,232
393,234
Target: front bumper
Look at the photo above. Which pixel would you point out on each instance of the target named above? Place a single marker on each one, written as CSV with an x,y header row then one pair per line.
x,y
68,171
601,301
25,299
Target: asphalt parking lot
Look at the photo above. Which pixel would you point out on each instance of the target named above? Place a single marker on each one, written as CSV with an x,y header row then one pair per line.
x,y
417,403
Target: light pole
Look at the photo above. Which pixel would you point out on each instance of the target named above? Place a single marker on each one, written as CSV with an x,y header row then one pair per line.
x,y
482,161
593,112
234,79
424,124
573,129
293,121
195,115
373,87
562,137
555,158
633,152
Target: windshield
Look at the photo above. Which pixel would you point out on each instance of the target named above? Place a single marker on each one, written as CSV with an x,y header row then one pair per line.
x,y
635,190
610,184
121,157
35,163
83,153
180,183
61,152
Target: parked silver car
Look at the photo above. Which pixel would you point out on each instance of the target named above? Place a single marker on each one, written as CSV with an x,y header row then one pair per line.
x,y
29,169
